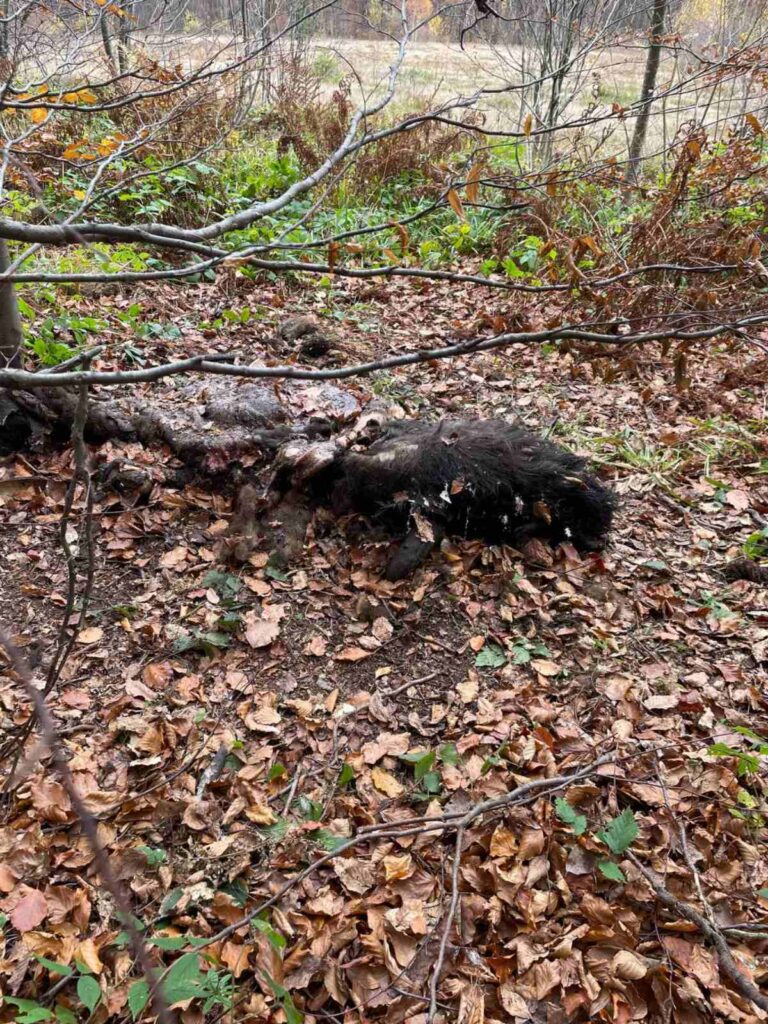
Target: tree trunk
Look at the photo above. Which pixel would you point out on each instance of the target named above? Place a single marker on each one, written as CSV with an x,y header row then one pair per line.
x,y
107,40
658,17
124,31
4,25
11,337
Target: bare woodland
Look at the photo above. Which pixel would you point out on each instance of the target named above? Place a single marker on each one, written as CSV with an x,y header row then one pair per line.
x,y
257,763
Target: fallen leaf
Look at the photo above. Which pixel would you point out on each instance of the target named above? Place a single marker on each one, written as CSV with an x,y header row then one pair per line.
x,y
382,629
424,528
173,557
738,500
30,911
317,647
503,842
157,674
468,690
88,953
628,965
235,957
662,701
357,875
386,783
261,632
50,800
398,867
544,667
91,635
353,654
386,744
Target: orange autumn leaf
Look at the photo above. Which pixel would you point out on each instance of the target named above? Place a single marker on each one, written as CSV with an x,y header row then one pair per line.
x,y
455,203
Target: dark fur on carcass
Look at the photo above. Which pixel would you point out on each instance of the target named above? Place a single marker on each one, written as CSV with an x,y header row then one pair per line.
x,y
482,478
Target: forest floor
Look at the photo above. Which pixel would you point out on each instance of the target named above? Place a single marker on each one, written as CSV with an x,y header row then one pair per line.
x,y
344,702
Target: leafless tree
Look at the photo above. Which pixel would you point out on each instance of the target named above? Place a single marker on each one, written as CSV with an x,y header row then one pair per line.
x,y
61,88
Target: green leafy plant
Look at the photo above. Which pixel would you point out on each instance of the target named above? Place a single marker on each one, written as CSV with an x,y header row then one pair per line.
x,y
274,937
490,656
715,606
292,1014
618,835
747,760
423,762
328,840
226,585
87,988
207,642
155,856
756,544
523,650
569,816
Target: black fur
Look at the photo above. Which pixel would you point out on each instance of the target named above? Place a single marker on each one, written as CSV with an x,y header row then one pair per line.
x,y
482,478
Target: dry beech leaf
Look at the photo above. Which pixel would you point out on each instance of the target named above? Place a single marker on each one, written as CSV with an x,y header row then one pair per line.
x,y
662,701
629,966
473,180
391,744
196,816
273,612
424,528
30,911
260,814
91,635
316,647
545,668
468,690
259,587
357,875
513,1002
386,783
382,629
353,654
88,953
157,674
532,843
173,557
738,500
261,632
396,868
455,203
50,800
263,716
235,957
503,842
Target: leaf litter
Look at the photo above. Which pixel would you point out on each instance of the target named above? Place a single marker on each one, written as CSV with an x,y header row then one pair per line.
x,y
347,707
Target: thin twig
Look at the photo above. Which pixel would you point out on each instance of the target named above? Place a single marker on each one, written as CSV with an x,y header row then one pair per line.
x,y
88,824
80,476
710,932
450,917
417,826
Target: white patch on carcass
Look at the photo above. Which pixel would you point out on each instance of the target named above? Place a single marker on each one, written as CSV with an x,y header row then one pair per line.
x,y
444,495
391,454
